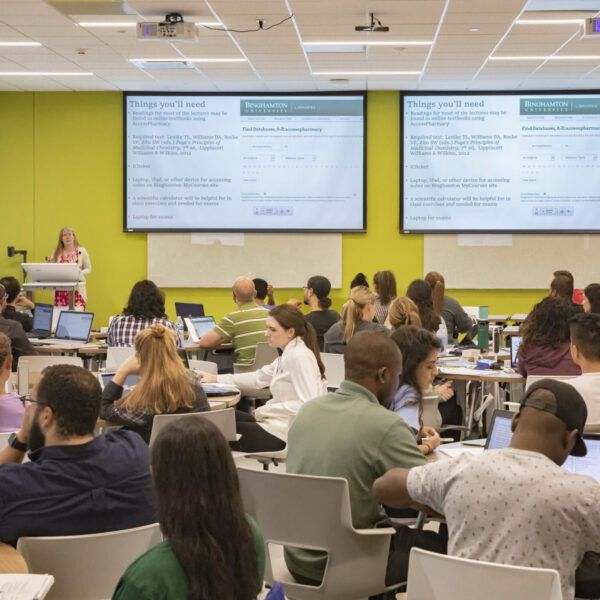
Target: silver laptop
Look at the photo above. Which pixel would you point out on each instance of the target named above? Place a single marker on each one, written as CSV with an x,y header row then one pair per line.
x,y
198,326
73,329
42,321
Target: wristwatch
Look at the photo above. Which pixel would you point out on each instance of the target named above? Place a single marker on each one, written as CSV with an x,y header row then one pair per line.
x,y
13,442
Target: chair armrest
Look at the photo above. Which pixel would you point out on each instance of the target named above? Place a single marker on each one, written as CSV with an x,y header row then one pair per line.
x,y
376,531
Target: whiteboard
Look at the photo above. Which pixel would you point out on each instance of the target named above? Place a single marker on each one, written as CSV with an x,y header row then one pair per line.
x,y
511,261
286,260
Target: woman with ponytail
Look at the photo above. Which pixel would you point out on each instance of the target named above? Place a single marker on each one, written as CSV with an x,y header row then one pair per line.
x,y
384,283
456,319
165,386
403,311
321,317
295,377
357,315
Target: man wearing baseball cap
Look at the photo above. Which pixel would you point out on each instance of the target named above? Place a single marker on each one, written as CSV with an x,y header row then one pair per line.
x,y
517,505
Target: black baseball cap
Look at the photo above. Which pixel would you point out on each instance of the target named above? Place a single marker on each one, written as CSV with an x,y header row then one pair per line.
x,y
568,406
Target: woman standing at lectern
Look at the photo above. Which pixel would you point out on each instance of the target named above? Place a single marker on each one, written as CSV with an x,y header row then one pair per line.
x,y
68,250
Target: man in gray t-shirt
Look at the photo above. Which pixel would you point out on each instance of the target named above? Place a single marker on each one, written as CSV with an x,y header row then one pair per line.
x,y
515,506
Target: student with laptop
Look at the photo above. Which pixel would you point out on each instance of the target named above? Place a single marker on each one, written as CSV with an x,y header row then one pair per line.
x,y
545,348
164,385
585,349
13,289
145,307
515,505
21,346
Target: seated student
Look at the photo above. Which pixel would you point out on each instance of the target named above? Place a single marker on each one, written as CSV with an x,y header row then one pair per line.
x,y
402,312
419,291
11,407
164,386
264,289
384,285
212,549
456,319
321,317
14,299
75,483
244,327
591,298
357,316
20,344
576,295
585,349
419,349
294,378
545,349
350,433
515,506
145,307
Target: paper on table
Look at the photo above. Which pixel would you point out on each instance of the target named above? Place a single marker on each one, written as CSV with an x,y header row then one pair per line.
x,y
454,452
24,587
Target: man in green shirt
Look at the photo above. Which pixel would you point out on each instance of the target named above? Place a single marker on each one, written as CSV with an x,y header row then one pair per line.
x,y
351,433
244,327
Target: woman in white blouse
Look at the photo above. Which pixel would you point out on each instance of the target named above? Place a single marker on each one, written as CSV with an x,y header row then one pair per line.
x,y
294,378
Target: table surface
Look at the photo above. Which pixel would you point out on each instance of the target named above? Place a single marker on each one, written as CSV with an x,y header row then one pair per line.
x,y
11,561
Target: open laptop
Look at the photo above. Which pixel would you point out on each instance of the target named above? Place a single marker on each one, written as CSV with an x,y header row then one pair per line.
x,y
198,326
72,330
515,342
130,381
42,321
501,435
189,309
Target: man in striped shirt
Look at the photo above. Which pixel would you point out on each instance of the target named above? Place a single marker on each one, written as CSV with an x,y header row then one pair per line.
x,y
244,327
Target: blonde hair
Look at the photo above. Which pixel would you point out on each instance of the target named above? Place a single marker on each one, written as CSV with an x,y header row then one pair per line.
x,y
438,289
60,246
5,349
403,311
164,386
358,299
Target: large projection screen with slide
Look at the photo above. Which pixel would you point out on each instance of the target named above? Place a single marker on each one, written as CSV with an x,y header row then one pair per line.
x,y
244,162
500,162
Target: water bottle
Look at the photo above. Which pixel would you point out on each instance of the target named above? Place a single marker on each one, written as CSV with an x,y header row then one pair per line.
x,y
179,325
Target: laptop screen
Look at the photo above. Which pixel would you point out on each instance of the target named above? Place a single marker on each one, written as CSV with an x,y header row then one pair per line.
x,y
42,317
586,465
189,309
74,325
515,342
500,433
130,381
202,325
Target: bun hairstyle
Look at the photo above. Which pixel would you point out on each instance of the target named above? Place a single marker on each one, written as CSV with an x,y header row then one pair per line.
x,y
289,317
438,289
360,296
359,279
384,283
321,286
163,386
403,311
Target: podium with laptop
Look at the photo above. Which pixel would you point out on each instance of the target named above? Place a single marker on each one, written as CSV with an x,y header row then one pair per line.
x,y
52,276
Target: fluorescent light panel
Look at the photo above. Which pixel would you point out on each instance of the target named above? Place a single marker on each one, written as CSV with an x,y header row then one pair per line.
x,y
18,44
548,21
108,24
368,43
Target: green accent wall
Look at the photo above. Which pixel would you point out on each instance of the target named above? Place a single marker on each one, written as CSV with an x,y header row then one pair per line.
x,y
61,164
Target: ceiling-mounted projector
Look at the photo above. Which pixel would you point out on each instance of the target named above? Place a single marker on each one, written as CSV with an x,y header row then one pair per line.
x,y
375,25
172,28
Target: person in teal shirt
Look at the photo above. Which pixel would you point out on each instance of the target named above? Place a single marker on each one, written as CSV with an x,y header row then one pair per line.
x,y
212,548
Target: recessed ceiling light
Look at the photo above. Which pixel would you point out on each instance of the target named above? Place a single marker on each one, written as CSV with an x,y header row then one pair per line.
x,y
589,57
108,24
316,48
193,60
474,29
548,21
18,44
361,73
368,43
46,74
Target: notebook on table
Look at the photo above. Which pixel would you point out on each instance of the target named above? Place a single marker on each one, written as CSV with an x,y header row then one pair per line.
x,y
72,330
